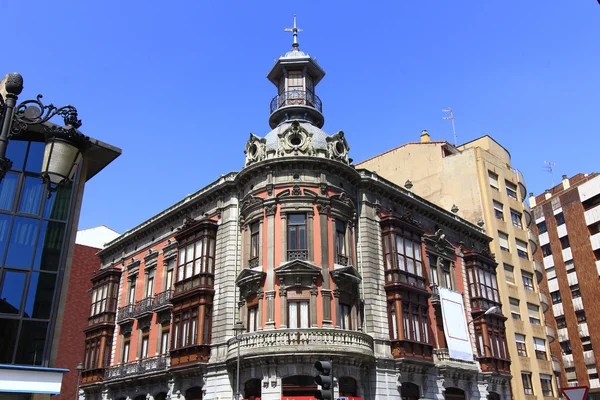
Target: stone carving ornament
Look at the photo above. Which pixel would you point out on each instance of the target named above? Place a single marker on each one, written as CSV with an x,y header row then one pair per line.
x,y
295,139
337,147
255,149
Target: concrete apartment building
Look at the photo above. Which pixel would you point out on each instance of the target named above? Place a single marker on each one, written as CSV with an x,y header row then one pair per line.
x,y
239,288
477,181
567,220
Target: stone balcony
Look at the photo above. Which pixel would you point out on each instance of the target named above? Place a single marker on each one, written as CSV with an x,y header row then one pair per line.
x,y
556,364
301,341
544,301
441,358
550,333
136,368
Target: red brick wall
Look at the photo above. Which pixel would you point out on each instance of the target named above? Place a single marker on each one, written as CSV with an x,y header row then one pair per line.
x,y
71,346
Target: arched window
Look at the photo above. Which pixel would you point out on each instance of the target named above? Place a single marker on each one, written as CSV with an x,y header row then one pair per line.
x,y
409,391
348,387
193,393
298,385
252,389
454,394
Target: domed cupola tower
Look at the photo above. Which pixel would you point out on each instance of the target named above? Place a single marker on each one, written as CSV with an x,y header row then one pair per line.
x,y
296,76
296,115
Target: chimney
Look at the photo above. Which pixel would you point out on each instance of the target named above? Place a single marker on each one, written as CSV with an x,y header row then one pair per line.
x,y
425,138
532,202
547,194
565,182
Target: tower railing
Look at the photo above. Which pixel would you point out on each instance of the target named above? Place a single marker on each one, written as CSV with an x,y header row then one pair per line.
x,y
296,97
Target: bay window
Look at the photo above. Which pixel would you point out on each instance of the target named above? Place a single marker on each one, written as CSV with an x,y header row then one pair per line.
x,y
197,258
414,322
185,328
403,258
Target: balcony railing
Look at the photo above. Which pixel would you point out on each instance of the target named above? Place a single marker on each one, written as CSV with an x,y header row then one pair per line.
x,y
144,307
588,357
555,364
550,333
297,255
136,368
544,301
568,360
125,313
443,356
296,97
342,260
594,383
296,341
162,300
583,330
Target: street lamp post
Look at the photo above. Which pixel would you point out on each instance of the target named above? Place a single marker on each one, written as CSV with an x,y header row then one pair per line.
x,y
238,328
491,310
64,144
79,368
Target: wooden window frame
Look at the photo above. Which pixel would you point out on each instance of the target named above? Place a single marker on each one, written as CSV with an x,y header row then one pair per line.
x,y
297,229
393,258
298,313
201,252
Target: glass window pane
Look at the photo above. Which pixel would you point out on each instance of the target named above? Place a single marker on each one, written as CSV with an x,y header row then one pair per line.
x,y
8,188
57,206
47,254
13,286
15,152
295,219
8,338
32,338
31,196
35,157
302,237
22,242
40,295
292,239
4,227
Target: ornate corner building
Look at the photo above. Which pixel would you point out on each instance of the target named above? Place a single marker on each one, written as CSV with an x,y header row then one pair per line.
x,y
318,260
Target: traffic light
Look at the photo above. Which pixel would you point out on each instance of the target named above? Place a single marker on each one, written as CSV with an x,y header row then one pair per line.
x,y
324,379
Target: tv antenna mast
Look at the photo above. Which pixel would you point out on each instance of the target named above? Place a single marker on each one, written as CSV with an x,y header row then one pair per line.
x,y
549,167
450,118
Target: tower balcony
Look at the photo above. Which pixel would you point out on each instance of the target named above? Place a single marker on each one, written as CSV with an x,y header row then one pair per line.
x,y
282,342
296,104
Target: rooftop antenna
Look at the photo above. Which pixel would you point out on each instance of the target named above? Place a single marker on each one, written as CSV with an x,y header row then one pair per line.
x,y
450,117
549,167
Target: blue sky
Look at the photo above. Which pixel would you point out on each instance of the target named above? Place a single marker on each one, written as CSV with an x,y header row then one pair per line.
x,y
179,85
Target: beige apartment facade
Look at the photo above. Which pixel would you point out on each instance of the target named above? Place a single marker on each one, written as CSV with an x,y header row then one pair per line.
x,y
477,182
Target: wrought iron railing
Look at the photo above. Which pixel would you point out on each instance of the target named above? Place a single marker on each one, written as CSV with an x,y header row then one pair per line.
x,y
137,368
342,259
125,313
297,255
296,97
163,299
253,262
144,306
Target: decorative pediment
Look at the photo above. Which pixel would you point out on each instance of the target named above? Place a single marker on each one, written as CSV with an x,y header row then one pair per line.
x,y
337,147
250,281
295,140
255,149
249,201
191,226
297,273
439,243
151,259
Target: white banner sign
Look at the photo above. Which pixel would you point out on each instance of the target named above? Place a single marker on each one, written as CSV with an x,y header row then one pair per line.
x,y
455,325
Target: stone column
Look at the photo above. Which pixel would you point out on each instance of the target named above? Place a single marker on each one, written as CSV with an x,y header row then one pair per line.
x,y
326,296
261,227
283,306
270,294
310,236
336,295
259,311
313,306
270,246
283,219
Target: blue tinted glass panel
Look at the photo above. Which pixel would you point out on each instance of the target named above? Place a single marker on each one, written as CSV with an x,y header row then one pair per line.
x,y
31,197
57,206
30,350
22,242
8,188
39,295
15,152
8,338
47,253
13,285
4,228
35,157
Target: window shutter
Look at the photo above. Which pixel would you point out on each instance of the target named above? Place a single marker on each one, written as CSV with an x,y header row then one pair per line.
x,y
521,245
514,305
503,237
493,179
540,344
519,338
509,273
498,206
534,311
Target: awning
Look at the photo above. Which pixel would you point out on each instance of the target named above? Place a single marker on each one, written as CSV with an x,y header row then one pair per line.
x,y
30,379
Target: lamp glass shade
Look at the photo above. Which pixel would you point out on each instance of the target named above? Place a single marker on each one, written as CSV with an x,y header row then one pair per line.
x,y
61,159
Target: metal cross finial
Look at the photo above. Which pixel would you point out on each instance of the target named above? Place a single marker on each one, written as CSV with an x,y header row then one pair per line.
x,y
295,31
